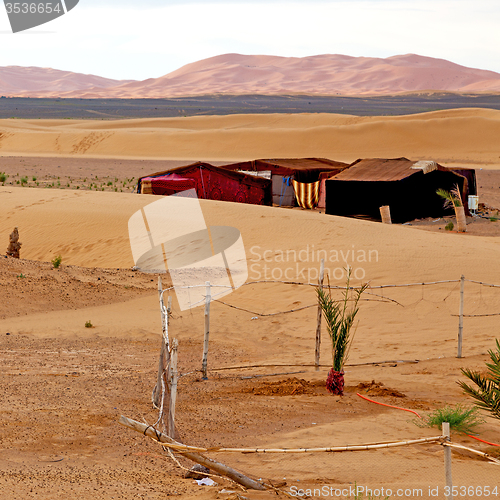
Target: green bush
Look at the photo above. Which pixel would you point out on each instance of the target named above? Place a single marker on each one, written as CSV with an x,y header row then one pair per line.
x,y
56,261
461,418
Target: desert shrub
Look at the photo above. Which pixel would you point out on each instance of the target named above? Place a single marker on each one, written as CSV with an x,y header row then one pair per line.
x,y
56,261
461,418
88,324
449,226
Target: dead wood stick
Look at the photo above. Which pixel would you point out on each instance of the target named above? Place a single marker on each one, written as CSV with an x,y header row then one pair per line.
x,y
472,450
221,469
173,376
164,352
318,319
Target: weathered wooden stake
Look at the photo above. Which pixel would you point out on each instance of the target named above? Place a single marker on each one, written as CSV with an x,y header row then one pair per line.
x,y
447,461
207,332
169,308
164,352
173,375
461,317
385,214
195,457
318,320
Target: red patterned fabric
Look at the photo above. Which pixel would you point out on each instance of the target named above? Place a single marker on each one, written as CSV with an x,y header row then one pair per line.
x,y
210,182
170,184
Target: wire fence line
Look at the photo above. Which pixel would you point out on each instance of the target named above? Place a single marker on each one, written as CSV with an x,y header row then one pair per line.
x,y
334,287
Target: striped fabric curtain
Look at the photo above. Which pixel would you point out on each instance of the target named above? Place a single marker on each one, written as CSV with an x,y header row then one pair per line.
x,y
307,194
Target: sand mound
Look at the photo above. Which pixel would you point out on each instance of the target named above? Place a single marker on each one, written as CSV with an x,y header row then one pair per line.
x,y
377,389
286,387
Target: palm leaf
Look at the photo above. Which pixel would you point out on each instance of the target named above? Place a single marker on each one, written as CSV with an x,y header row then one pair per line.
x,y
487,390
339,320
451,198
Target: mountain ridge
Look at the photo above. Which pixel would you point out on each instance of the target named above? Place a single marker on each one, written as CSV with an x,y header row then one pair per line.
x,y
324,74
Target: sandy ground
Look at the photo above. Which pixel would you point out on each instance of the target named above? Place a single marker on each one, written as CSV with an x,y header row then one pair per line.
x,y
453,137
66,385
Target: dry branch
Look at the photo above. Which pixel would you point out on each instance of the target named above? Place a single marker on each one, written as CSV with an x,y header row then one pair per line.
x,y
472,450
221,469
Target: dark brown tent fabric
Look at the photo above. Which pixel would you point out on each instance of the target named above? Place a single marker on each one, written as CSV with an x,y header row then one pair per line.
x,y
400,183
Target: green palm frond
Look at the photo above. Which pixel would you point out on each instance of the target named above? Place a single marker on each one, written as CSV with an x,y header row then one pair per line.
x,y
452,198
487,390
339,320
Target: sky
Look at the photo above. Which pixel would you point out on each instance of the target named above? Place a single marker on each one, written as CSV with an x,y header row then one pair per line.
x,y
139,39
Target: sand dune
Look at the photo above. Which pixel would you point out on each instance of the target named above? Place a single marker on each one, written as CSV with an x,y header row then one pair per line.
x,y
20,81
467,136
328,74
85,378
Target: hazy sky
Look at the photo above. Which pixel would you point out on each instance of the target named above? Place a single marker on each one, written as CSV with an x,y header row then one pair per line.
x,y
138,39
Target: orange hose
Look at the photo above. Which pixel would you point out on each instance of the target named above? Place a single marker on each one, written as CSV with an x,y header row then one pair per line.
x,y
483,441
390,406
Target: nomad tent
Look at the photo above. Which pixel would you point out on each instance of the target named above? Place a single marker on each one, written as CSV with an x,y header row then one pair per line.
x,y
212,183
294,180
407,187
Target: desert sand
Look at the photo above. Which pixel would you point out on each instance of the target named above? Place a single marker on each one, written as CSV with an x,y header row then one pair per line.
x,y
463,136
327,74
66,385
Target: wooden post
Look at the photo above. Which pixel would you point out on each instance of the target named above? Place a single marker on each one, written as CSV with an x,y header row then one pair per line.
x,y
164,353
222,469
318,319
447,460
173,389
207,332
385,214
169,308
461,317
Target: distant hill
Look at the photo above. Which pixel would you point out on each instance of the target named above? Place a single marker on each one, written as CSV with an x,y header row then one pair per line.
x,y
19,81
242,74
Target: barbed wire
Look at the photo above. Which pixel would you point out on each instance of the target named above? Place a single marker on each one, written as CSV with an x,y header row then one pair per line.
x,y
332,287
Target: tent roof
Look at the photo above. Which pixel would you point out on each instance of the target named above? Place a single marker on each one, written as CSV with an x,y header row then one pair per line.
x,y
207,166
381,169
288,166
